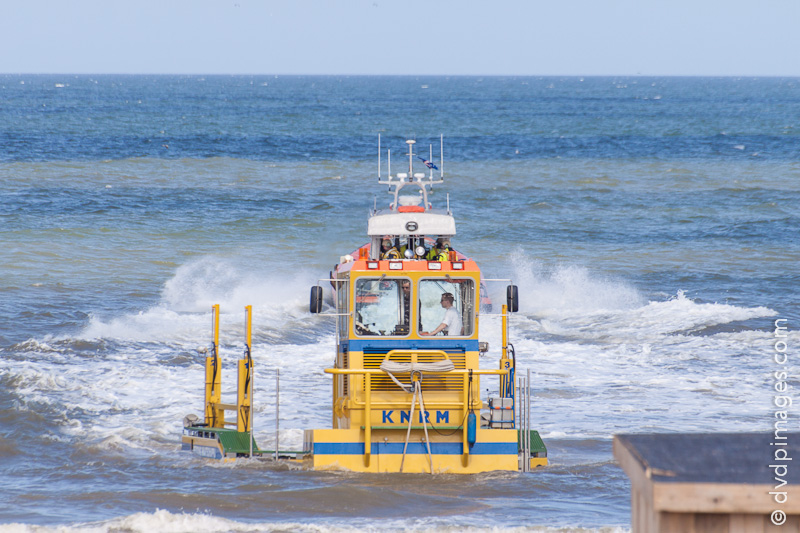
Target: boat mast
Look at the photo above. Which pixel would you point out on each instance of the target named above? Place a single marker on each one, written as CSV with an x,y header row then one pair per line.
x,y
430,158
441,155
410,144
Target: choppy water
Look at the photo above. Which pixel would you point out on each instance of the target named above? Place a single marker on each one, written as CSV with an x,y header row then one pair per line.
x,y
652,224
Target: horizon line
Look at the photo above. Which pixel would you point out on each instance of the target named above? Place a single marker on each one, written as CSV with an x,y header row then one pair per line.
x,y
356,75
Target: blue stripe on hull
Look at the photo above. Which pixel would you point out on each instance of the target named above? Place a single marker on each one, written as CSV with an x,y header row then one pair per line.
x,y
494,448
437,448
208,452
440,343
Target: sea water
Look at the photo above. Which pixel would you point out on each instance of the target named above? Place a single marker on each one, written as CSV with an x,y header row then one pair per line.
x,y
651,224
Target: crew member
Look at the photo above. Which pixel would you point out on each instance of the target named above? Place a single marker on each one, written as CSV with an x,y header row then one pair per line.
x,y
451,323
389,250
440,252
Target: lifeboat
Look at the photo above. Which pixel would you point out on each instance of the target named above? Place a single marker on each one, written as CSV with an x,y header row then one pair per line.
x,y
410,375
407,378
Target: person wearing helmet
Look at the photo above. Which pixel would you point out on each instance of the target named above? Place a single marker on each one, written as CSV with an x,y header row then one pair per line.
x,y
440,252
389,250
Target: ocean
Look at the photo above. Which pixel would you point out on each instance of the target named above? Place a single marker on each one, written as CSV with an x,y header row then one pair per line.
x,y
651,224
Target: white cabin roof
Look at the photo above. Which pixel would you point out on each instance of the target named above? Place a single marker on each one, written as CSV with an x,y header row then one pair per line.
x,y
430,222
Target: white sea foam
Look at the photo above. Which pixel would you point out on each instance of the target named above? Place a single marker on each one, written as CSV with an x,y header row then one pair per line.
x,y
684,383
136,400
167,522
568,299
649,323
565,289
604,359
183,314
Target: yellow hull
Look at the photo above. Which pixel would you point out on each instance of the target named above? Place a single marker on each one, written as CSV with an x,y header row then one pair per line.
x,y
494,449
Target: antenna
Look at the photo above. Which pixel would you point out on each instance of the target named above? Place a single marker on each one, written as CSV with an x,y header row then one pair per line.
x,y
403,177
379,157
430,158
441,155
410,144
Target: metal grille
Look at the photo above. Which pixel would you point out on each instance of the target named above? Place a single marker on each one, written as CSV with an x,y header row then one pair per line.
x,y
430,382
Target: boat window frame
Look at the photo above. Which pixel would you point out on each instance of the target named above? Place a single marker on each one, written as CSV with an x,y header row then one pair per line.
x,y
343,304
372,276
473,314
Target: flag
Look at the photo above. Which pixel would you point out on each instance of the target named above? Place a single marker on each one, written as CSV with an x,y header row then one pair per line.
x,y
428,163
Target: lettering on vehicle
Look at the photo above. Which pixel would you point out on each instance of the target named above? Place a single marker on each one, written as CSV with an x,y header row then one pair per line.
x,y
391,417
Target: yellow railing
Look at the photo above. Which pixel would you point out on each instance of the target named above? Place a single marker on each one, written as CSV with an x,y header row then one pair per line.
x,y
506,386
214,407
367,404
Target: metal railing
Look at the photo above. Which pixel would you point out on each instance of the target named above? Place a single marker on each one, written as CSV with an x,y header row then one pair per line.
x,y
524,414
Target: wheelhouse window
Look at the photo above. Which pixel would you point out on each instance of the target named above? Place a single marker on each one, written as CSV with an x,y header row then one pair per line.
x,y
382,306
448,301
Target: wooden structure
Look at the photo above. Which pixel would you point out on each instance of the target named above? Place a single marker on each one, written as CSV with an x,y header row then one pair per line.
x,y
721,483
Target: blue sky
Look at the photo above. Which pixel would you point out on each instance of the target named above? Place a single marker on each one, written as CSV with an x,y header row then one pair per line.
x,y
425,37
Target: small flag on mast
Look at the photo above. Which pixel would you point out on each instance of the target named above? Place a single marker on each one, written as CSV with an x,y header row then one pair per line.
x,y
428,164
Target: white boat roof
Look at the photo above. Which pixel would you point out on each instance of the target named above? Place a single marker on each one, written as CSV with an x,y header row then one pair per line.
x,y
429,222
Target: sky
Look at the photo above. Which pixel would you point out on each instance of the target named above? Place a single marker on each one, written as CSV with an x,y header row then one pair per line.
x,y
412,37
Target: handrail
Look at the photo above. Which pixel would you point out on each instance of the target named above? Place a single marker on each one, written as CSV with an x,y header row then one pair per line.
x,y
417,351
358,405
373,371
